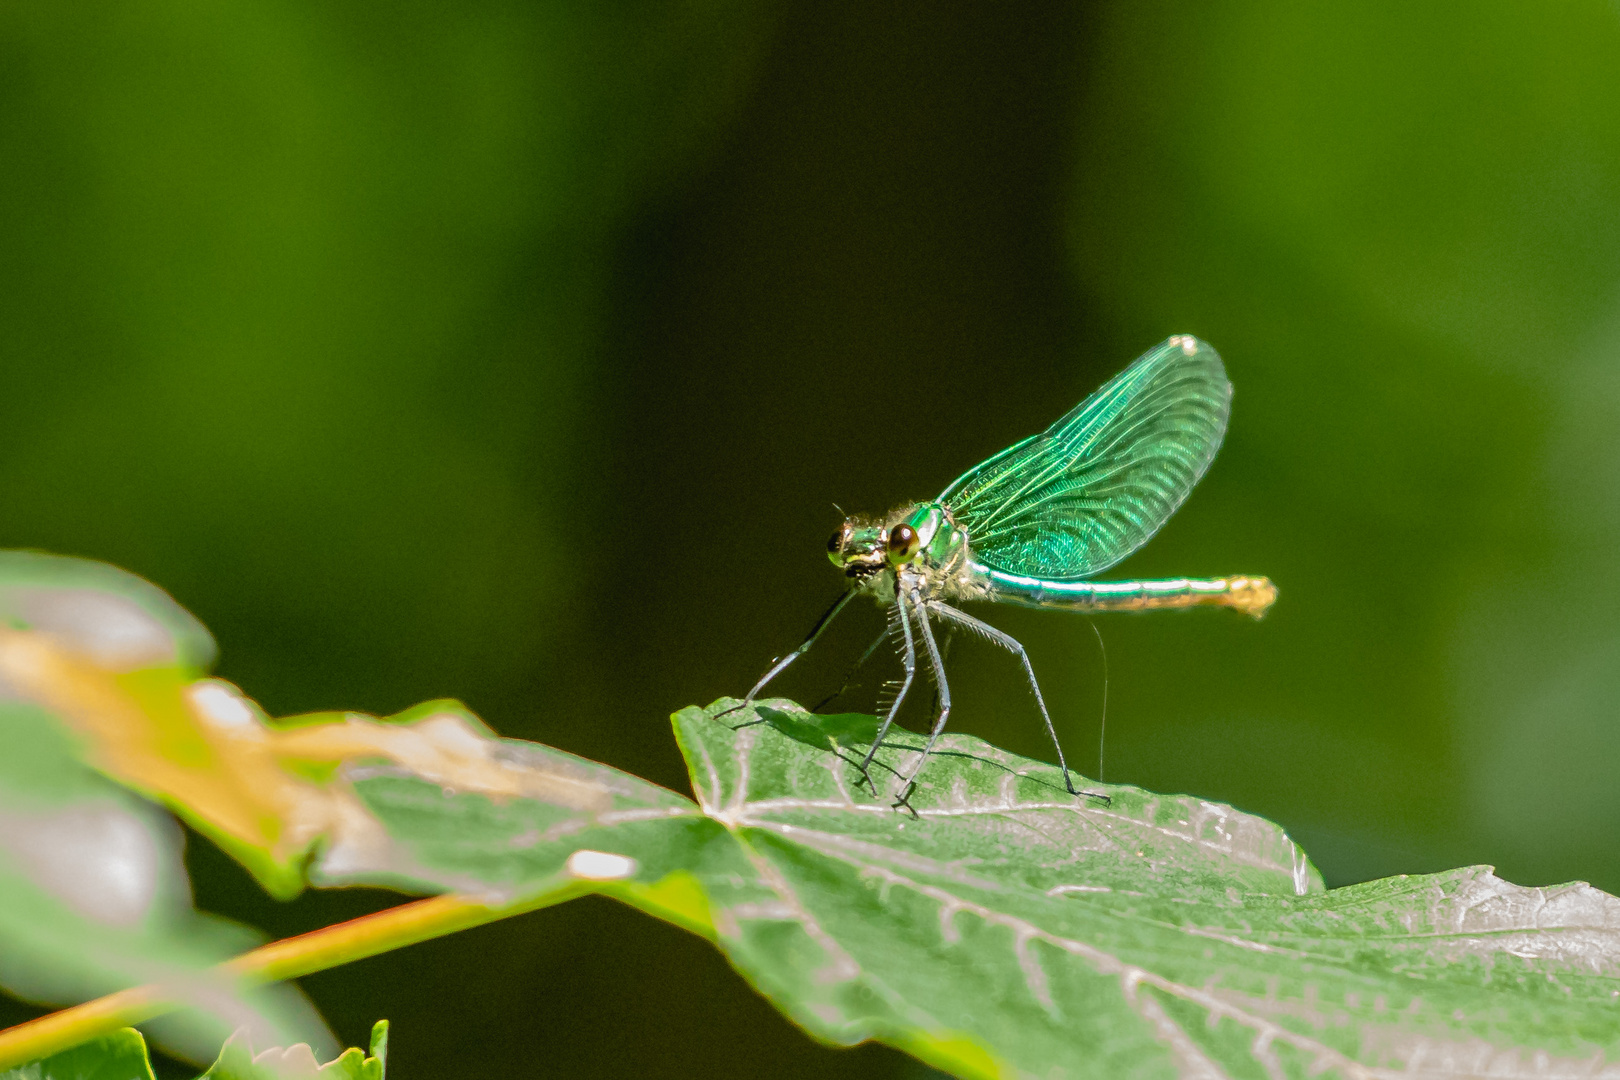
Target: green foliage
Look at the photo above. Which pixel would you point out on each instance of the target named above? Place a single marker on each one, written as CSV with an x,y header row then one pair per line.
x,y
121,1055
93,893
111,613
992,924
1002,927
94,896
237,1061
118,1055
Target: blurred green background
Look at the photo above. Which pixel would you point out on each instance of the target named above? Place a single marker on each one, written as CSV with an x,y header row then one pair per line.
x,y
517,352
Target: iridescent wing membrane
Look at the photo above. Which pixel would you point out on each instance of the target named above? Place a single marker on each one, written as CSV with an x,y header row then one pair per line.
x,y
1092,488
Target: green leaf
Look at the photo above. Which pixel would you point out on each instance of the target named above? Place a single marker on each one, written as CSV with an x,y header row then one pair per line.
x,y
992,925
102,655
121,1055
1002,927
118,1055
592,825
108,660
237,1061
119,619
94,895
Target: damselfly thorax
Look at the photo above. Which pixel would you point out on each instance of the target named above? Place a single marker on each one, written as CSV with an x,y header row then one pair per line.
x,y
1033,524
921,543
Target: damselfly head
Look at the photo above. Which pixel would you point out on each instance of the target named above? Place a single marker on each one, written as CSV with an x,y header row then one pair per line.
x,y
859,550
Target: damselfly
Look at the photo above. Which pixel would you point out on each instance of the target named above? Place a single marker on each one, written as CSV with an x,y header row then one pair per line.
x,y
1032,524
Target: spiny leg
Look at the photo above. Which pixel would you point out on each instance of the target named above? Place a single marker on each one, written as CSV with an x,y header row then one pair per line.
x,y
850,677
810,639
945,640
1014,646
909,660
891,687
938,665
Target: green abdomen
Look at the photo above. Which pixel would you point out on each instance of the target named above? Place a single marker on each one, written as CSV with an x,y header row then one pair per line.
x,y
1248,594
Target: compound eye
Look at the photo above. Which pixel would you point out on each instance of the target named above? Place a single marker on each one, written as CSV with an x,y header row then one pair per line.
x,y
839,539
903,543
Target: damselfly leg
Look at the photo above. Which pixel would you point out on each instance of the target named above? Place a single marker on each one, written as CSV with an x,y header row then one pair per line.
x,y
1014,646
920,609
908,659
781,665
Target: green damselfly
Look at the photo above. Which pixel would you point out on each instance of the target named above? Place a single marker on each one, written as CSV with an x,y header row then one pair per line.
x,y
1032,524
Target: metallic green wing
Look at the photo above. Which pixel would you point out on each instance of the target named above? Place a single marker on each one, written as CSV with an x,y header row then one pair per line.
x,y
1079,497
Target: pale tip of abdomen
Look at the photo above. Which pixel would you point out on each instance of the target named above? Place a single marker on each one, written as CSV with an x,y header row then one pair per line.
x,y
1251,595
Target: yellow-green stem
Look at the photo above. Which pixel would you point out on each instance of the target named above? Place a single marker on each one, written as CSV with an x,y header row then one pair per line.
x,y
315,951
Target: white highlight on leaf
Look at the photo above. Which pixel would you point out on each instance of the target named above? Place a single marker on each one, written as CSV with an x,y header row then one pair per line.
x,y
99,859
112,631
1302,869
600,865
1575,925
1059,890
220,703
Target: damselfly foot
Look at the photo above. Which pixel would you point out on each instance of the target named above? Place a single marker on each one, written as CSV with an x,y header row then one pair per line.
x,y
1068,782
903,800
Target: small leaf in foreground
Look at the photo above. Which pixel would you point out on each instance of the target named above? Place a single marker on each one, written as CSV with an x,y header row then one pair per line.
x,y
237,1061
117,1055
122,1055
